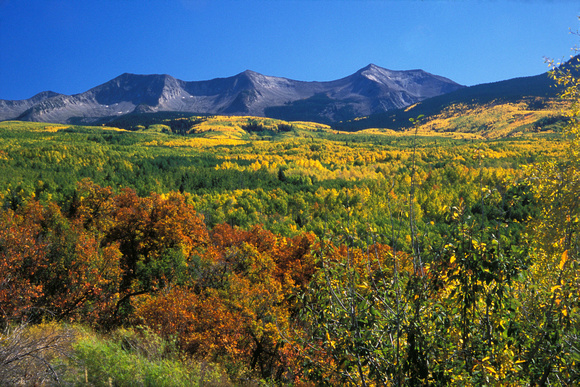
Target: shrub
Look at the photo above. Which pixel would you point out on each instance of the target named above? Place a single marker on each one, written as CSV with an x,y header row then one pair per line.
x,y
29,355
136,358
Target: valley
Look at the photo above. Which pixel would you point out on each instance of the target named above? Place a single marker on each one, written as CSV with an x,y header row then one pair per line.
x,y
433,243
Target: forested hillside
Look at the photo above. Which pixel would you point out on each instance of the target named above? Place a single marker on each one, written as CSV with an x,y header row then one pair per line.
x,y
194,250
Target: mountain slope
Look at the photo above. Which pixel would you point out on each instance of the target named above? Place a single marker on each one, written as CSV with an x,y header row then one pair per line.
x,y
537,90
10,109
370,90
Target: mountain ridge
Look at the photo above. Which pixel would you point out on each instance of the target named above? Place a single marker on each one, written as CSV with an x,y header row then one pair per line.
x,y
370,90
535,90
507,91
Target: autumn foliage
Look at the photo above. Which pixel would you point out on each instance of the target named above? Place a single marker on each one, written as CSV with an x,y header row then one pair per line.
x,y
117,258
360,259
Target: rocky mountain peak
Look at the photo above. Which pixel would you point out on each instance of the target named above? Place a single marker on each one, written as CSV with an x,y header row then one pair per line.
x,y
370,90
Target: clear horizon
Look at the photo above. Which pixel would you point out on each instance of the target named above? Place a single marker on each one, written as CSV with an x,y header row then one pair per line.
x,y
69,47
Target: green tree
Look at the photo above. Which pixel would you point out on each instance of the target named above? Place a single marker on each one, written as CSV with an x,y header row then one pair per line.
x,y
551,297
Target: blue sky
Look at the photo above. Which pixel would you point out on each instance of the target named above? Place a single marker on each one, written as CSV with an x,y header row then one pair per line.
x,y
69,46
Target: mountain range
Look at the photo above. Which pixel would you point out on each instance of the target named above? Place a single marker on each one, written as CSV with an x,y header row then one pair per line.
x,y
370,90
534,90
